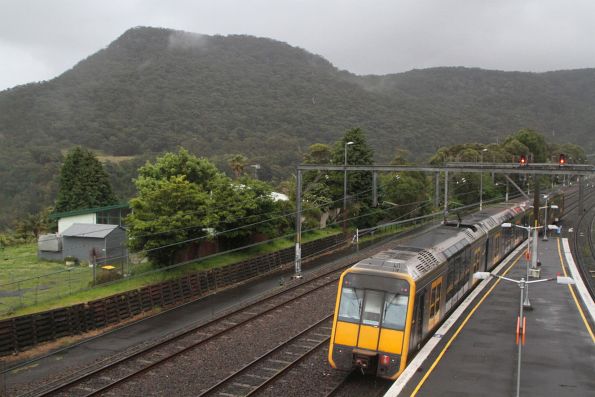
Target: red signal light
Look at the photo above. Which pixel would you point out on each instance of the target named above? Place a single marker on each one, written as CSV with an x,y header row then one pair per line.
x,y
562,159
523,159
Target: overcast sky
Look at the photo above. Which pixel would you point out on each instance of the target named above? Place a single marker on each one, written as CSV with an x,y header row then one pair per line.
x,y
40,39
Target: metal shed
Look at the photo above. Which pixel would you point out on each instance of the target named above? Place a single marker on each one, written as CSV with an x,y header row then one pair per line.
x,y
106,244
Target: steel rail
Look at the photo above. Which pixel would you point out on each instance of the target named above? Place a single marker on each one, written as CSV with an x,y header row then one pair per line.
x,y
159,344
578,255
339,385
120,327
83,375
269,353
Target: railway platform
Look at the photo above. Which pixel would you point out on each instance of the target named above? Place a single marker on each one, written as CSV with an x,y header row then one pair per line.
x,y
476,354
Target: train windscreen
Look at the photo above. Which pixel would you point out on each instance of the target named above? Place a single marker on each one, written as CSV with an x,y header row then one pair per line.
x,y
375,301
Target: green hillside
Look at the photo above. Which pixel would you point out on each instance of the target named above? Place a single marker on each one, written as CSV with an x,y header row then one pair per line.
x,y
156,89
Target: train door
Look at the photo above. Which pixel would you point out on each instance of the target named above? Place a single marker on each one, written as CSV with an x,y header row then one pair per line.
x,y
435,298
486,257
418,322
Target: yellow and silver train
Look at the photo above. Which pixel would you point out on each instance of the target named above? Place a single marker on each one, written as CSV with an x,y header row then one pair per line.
x,y
389,304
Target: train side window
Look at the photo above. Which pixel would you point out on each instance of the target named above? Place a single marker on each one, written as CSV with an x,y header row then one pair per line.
x,y
372,307
351,304
435,298
450,280
395,311
433,308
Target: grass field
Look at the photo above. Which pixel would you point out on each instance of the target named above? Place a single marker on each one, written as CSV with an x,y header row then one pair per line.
x,y
47,285
26,280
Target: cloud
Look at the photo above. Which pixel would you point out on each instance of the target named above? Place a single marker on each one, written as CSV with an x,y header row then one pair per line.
x,y
41,39
185,40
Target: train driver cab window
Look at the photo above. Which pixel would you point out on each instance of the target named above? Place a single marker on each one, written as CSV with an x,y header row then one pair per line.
x,y
351,304
395,311
372,308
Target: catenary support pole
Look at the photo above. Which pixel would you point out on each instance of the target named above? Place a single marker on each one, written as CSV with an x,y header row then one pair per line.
x,y
298,226
445,194
581,193
374,189
437,189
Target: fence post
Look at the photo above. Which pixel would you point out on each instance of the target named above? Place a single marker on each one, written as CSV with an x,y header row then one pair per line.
x,y
3,391
20,293
36,289
69,282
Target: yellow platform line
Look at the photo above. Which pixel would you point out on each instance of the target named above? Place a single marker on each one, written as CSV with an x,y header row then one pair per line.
x,y
580,309
435,363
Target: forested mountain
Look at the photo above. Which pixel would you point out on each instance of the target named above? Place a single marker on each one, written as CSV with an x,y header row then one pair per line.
x,y
156,89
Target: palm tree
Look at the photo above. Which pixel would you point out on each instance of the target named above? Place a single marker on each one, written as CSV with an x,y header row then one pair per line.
x,y
237,163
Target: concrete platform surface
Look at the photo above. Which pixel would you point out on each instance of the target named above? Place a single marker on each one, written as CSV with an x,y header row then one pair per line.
x,y
479,358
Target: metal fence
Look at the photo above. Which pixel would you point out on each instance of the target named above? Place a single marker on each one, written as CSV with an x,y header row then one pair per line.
x,y
44,287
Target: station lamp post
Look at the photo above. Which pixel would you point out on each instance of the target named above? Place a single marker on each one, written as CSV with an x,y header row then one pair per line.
x,y
554,207
521,322
531,242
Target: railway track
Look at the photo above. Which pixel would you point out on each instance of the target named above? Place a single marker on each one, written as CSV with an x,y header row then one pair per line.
x,y
116,371
583,244
97,379
260,373
355,384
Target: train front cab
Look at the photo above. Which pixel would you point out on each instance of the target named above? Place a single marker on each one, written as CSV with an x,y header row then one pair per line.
x,y
371,328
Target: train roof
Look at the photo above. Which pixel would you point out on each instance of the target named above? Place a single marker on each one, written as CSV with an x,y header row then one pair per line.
x,y
420,254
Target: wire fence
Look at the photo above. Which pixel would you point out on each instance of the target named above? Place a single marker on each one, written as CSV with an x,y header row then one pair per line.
x,y
129,268
33,290
130,272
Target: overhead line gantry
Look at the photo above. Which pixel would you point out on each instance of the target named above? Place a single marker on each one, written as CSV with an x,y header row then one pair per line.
x,y
580,170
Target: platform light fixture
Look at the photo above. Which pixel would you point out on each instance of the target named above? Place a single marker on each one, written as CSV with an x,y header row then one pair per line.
x,y
521,325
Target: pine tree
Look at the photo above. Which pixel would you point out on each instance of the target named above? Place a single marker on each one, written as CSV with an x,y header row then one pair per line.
x,y
83,183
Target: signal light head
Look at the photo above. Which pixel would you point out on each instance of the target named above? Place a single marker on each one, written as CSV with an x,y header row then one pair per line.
x,y
562,159
523,159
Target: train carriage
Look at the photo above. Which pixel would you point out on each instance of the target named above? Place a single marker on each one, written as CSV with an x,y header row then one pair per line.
x,y
388,304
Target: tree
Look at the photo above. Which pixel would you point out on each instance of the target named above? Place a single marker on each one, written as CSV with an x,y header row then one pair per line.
x,y
32,225
574,153
237,163
318,153
407,192
246,207
173,204
535,142
359,184
182,199
83,182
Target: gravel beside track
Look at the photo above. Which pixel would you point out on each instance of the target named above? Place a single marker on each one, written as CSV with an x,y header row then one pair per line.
x,y
187,339
582,242
199,369
313,377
